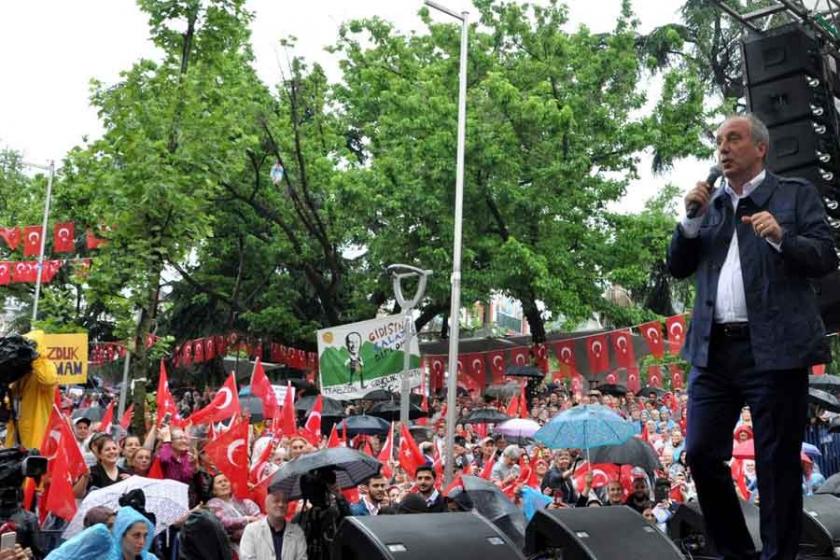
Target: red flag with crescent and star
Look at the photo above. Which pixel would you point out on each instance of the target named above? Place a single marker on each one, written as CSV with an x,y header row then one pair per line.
x,y
597,354
496,363
5,273
64,237
520,356
652,333
655,376
11,235
676,333
165,402
410,456
312,428
224,405
229,452
32,241
261,388
565,352
622,345
437,367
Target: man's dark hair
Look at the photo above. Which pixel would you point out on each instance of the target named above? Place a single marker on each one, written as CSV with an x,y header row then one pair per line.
x,y
460,440
426,467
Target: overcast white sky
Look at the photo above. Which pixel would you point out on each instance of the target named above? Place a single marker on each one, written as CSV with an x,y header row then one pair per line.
x,y
52,48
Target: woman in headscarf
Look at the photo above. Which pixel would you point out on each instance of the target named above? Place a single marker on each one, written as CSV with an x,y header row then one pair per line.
x,y
203,538
94,543
132,536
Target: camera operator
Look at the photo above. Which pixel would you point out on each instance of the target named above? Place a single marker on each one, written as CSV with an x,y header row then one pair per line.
x,y
327,507
34,394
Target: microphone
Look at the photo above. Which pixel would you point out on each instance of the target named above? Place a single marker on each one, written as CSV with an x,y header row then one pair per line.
x,y
714,174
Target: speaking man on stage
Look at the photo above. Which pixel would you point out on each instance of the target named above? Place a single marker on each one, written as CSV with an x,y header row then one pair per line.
x,y
753,244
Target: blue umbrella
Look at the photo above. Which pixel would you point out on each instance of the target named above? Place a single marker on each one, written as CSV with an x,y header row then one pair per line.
x,y
586,426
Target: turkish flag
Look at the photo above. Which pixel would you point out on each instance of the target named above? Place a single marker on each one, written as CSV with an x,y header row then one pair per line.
x,y
386,454
59,435
513,407
676,376
125,421
156,470
220,343
198,351
676,333
313,421
577,383
107,418
64,237
652,332
523,403
261,387
165,402
475,368
224,405
59,499
520,356
334,441
285,421
91,241
5,273
622,345
23,272
496,361
410,456
229,452
540,351
51,268
437,367
255,474
596,352
602,473
209,349
186,353
654,376
565,352
466,380
488,468
633,381
12,236
32,241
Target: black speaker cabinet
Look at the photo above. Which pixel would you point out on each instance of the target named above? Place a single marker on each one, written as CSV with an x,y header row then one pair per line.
x,y
821,524
687,528
597,533
422,536
789,99
801,143
779,52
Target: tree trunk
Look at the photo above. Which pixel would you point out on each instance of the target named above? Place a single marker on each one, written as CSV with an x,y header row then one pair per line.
x,y
535,320
140,364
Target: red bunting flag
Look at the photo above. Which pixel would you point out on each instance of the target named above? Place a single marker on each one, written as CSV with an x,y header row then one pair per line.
x,y
496,362
652,333
32,241
209,348
23,272
64,237
225,404
540,351
186,354
676,333
410,456
676,376
261,388
633,381
229,452
437,368
5,273
91,241
165,402
565,352
622,345
11,235
654,376
596,352
198,351
520,356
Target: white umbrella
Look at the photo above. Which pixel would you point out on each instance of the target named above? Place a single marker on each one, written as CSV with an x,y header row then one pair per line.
x,y
167,499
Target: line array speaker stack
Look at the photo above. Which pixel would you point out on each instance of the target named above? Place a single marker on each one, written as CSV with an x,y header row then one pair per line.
x,y
597,533
792,85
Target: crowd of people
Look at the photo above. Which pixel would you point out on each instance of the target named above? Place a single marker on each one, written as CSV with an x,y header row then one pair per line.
x,y
266,525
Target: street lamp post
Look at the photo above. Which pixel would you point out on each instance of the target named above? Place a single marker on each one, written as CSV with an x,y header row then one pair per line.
x,y
40,268
398,273
455,298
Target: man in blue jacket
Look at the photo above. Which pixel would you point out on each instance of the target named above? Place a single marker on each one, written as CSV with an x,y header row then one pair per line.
x,y
755,329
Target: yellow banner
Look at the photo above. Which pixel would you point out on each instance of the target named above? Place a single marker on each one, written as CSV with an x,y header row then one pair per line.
x,y
69,353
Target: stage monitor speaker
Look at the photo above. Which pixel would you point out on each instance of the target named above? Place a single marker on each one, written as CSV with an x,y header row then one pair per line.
x,y
820,525
779,52
597,533
687,528
422,536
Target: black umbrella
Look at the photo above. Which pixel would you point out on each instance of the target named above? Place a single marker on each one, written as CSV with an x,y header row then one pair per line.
x,y
378,395
420,434
823,399
634,452
830,383
331,407
390,410
648,389
92,413
490,502
363,424
612,389
252,405
485,416
830,486
351,468
503,390
834,425
524,371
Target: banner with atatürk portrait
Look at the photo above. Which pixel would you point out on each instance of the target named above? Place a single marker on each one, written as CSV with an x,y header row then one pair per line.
x,y
357,358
